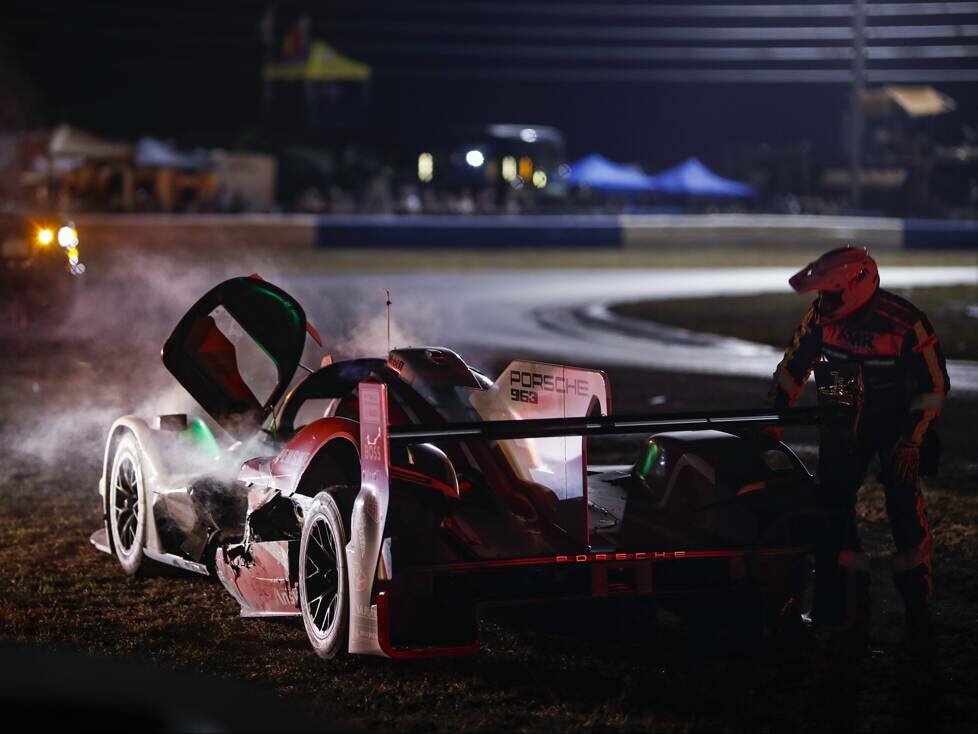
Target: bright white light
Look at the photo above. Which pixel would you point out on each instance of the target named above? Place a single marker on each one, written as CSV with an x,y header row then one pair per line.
x,y
528,135
475,158
67,237
539,179
426,167
509,168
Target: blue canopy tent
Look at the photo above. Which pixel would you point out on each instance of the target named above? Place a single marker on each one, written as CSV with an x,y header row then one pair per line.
x,y
692,178
153,153
598,173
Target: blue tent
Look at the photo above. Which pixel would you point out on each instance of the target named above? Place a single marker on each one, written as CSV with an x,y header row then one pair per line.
x,y
692,178
153,153
598,173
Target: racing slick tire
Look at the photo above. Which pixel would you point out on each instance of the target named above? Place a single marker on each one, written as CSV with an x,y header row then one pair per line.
x,y
127,505
323,590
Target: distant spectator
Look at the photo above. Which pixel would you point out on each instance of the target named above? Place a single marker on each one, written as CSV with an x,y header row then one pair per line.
x,y
410,201
311,200
465,204
429,202
378,198
485,202
340,202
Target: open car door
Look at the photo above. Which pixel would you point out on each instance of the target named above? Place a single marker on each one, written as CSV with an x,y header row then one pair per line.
x,y
236,350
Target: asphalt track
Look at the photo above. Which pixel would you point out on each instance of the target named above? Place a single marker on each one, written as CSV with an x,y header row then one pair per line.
x,y
563,314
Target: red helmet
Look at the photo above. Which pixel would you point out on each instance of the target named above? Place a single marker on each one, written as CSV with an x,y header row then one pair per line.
x,y
845,278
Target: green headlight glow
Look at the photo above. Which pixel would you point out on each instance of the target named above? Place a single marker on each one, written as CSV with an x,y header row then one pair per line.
x,y
651,457
200,436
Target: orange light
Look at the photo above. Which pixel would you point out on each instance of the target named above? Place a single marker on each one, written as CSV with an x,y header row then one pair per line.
x,y
526,168
45,236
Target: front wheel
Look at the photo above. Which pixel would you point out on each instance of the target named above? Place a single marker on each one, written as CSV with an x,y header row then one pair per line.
x,y
127,505
323,596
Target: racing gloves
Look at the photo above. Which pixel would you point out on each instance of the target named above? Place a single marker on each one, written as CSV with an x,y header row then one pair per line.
x,y
905,461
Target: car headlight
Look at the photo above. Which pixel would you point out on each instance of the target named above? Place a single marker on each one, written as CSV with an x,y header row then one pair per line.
x,y
68,237
45,236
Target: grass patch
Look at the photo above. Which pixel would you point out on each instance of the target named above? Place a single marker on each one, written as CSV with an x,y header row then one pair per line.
x,y
772,318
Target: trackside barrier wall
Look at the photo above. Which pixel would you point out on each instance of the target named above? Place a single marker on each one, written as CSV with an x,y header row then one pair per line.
x,y
606,232
927,234
453,232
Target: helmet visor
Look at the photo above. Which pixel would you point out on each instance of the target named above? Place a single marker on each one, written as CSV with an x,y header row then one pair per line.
x,y
830,301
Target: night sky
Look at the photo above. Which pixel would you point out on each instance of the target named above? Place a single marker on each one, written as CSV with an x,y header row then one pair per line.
x,y
190,72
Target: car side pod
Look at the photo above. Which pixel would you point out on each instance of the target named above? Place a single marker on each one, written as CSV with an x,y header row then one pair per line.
x,y
157,477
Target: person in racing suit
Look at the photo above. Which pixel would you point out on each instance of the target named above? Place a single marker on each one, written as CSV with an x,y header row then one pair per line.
x,y
856,325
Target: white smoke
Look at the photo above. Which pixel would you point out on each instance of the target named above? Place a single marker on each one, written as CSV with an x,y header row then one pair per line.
x,y
102,359
366,334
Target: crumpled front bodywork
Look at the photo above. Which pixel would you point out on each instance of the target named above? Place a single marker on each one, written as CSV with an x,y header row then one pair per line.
x,y
261,571
259,579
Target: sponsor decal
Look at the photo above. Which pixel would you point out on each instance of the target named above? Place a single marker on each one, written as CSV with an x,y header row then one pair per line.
x,y
862,341
361,533
368,613
371,507
364,633
293,457
859,338
525,386
372,450
641,556
396,363
370,406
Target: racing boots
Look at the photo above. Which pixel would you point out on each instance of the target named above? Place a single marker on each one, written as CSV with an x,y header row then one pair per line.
x,y
843,620
918,642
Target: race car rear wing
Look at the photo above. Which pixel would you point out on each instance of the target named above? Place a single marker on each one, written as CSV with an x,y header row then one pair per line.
x,y
363,553
726,420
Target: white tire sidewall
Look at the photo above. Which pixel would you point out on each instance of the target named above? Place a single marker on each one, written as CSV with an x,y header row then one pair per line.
x,y
128,450
326,645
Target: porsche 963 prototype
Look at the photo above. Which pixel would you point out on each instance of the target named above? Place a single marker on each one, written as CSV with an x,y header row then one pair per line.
x,y
383,500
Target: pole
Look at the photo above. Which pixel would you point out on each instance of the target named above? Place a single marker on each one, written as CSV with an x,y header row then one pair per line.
x,y
858,84
388,319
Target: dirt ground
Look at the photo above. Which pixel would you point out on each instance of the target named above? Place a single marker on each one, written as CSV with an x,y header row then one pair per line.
x,y
614,667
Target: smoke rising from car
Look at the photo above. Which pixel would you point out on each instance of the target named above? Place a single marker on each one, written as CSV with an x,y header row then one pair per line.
x,y
101,360
368,334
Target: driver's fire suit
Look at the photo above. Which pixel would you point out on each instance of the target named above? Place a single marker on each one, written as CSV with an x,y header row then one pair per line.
x,y
905,379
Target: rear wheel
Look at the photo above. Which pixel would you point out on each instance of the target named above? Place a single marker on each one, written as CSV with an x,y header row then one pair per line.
x,y
127,505
323,594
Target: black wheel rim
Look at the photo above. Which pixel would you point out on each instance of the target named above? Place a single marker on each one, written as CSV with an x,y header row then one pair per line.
x,y
322,577
126,505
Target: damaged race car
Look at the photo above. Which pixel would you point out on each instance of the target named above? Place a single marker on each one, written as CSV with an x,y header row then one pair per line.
x,y
384,500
